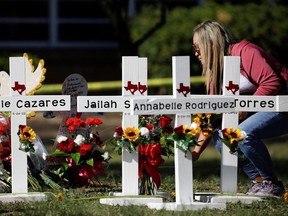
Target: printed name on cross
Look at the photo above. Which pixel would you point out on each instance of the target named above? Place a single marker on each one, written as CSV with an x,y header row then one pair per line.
x,y
95,104
253,103
187,104
6,103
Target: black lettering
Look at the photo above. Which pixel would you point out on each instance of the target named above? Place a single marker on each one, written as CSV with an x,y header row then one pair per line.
x,y
19,103
55,103
263,104
127,104
271,104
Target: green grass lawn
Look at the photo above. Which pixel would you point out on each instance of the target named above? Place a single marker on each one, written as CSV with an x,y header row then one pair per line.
x,y
206,173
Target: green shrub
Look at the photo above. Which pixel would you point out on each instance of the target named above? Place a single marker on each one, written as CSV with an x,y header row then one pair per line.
x,y
264,24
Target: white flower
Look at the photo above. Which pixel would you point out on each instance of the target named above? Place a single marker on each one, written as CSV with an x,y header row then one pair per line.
x,y
79,139
144,132
115,135
194,125
44,155
61,139
106,156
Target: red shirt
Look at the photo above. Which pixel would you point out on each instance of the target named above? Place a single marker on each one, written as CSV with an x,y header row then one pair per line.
x,y
261,69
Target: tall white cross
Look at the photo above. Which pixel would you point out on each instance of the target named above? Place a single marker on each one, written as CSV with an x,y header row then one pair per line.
x,y
182,105
19,104
134,84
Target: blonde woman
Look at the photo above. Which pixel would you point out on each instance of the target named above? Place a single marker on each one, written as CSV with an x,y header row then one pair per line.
x,y
260,74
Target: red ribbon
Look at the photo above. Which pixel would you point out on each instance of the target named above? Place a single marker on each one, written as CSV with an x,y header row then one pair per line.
x,y
149,160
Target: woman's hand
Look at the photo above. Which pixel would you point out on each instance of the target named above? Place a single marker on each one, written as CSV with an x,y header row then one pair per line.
x,y
195,155
203,141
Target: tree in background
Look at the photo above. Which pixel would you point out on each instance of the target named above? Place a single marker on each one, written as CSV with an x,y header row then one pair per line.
x,y
264,24
117,11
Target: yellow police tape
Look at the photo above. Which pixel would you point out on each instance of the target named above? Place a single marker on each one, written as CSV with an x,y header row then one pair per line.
x,y
115,85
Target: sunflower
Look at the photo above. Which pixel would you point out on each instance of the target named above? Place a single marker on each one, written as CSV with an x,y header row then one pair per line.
x,y
26,133
234,135
131,133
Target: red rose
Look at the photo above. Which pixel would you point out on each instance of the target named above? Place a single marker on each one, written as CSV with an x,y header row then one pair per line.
x,y
165,121
70,121
66,146
71,128
84,149
79,122
3,129
93,121
119,130
179,130
150,127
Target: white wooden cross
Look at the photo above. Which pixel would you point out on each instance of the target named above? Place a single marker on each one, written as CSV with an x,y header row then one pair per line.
x,y
19,104
182,105
229,162
134,84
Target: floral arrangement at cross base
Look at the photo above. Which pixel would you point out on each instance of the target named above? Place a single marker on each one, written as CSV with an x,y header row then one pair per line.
x,y
185,136
27,141
78,158
150,139
232,138
5,140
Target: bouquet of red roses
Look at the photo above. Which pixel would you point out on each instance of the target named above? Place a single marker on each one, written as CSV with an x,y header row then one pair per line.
x,y
79,157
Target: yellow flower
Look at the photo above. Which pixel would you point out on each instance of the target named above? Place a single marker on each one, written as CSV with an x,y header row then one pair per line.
x,y
208,115
197,120
191,131
131,133
59,196
26,133
234,135
286,196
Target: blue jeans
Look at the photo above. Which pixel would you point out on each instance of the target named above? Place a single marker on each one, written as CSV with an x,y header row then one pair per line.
x,y
257,161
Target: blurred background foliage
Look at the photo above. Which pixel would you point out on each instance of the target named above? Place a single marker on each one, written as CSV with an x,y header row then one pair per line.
x,y
262,22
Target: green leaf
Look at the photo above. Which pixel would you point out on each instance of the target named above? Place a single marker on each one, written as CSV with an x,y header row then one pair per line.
x,y
58,152
90,162
76,157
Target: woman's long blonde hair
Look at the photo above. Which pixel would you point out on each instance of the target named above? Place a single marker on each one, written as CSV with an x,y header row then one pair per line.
x,y
214,42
